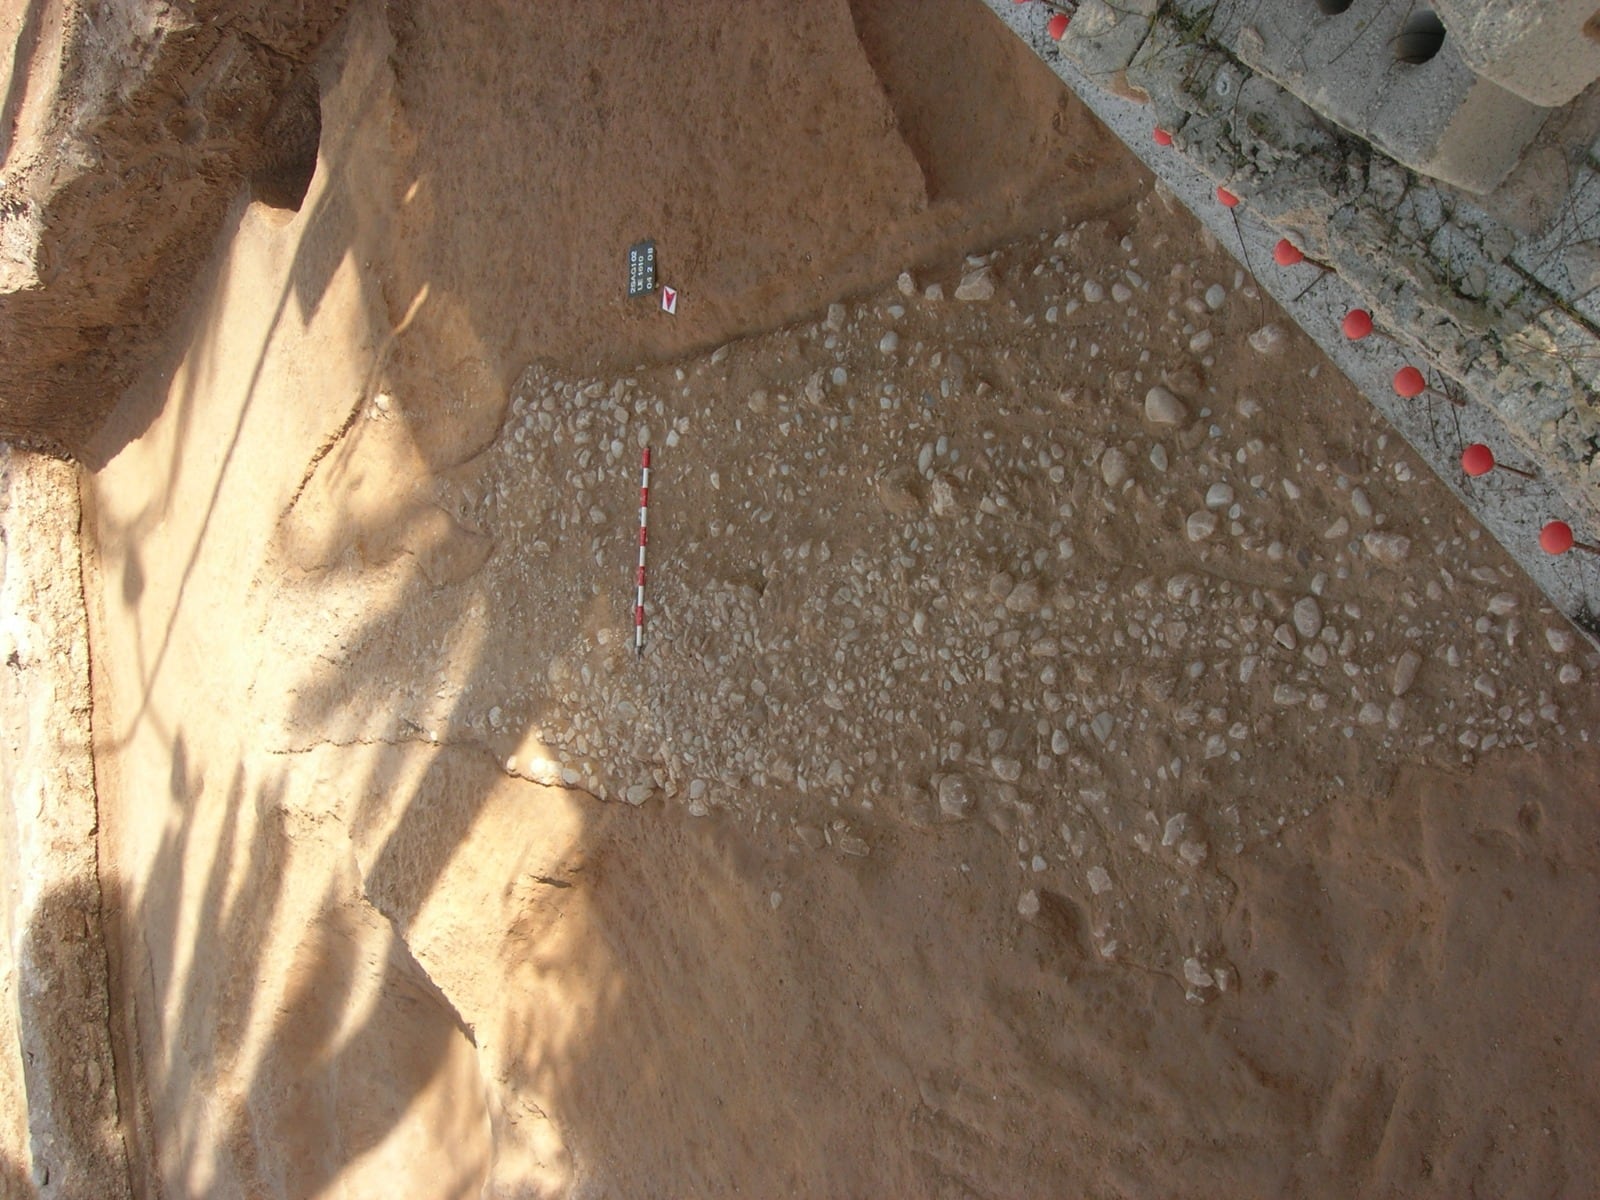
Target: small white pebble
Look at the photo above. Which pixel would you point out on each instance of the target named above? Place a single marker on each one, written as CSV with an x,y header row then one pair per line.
x,y
1502,604
1200,525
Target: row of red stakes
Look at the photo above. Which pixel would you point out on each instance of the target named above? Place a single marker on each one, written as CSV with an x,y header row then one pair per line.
x,y
1477,459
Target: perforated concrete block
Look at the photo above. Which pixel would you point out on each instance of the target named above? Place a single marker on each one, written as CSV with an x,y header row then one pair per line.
x,y
1438,117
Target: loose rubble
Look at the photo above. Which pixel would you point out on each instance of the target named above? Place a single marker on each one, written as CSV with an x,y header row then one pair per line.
x,y
912,568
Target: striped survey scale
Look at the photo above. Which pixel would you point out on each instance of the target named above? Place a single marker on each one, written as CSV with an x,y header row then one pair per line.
x,y
644,537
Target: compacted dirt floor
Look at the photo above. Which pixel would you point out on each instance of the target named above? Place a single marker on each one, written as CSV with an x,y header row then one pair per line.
x,y
1077,751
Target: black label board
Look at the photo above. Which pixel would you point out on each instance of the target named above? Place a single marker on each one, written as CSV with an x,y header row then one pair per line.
x,y
641,268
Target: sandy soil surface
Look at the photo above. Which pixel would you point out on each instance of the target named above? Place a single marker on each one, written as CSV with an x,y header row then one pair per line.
x,y
1077,751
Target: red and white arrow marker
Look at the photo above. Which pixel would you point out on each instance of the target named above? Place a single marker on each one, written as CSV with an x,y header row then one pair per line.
x,y
644,537
669,299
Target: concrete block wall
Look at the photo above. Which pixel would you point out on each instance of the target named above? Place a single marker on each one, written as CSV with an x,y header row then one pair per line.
x,y
1464,116
1493,296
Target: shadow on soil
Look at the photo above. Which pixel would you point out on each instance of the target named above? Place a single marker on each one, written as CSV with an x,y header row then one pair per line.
x,y
275,1030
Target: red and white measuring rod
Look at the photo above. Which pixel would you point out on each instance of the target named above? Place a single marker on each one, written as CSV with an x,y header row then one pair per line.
x,y
644,537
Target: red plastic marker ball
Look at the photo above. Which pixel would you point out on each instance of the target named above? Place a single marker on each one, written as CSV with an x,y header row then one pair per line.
x,y
1409,383
1357,324
1057,28
1226,198
1163,138
1477,459
1556,538
1286,253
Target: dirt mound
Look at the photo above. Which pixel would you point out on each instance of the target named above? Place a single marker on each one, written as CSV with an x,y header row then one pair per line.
x,y
125,133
